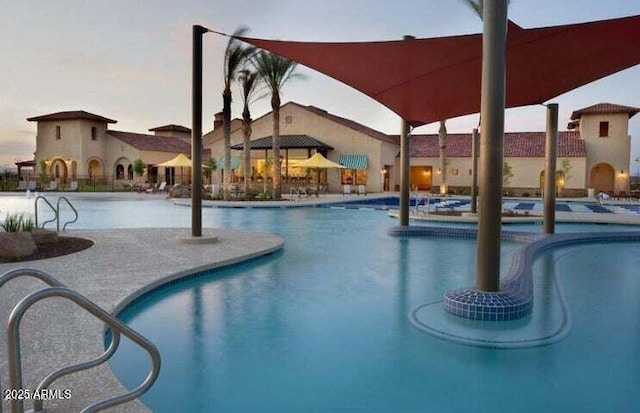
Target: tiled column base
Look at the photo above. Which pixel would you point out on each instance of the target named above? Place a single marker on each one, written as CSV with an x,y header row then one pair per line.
x,y
486,306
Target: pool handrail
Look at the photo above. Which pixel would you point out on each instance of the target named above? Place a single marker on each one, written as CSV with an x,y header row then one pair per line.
x,y
57,289
55,212
75,211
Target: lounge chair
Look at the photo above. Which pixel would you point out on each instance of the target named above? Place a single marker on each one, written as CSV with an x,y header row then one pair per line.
x,y
53,186
154,188
346,190
362,190
163,186
73,186
22,186
31,185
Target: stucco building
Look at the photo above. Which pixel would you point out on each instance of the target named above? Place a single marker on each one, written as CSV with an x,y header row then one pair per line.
x,y
79,146
593,153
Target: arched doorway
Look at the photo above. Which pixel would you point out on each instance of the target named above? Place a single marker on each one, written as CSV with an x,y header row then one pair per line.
x,y
95,169
58,170
602,178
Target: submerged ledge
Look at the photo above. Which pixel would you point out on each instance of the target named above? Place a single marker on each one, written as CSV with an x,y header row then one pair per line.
x,y
515,299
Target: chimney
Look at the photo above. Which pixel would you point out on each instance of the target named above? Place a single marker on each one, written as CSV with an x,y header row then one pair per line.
x,y
217,120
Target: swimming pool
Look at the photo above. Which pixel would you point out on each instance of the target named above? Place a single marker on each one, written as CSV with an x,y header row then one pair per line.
x,y
323,325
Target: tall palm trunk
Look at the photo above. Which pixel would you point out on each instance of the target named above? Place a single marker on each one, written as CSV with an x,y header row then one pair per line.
x,y
246,141
277,171
442,142
226,130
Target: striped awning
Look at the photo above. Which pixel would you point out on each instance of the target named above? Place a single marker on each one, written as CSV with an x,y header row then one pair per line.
x,y
235,162
353,161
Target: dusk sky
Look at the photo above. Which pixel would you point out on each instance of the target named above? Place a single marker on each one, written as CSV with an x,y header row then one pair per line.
x,y
130,60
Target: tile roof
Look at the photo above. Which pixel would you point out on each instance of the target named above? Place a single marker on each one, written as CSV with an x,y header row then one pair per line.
x,y
516,145
604,108
287,141
170,128
71,115
152,142
349,123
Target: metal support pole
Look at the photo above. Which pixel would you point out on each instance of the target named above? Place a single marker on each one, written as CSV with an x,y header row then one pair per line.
x,y
551,143
405,169
196,133
474,171
491,144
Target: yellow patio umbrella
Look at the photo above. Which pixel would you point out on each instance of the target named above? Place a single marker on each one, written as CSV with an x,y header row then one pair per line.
x,y
317,162
180,160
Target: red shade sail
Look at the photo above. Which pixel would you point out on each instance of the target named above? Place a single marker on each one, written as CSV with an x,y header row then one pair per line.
x,y
427,80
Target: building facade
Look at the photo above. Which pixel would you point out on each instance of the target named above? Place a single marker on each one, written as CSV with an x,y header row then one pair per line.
x,y
79,146
594,153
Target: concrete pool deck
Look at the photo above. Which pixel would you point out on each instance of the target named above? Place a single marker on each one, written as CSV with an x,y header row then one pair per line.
x,y
123,264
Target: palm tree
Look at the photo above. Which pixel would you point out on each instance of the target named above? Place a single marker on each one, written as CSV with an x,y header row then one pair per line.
x,y
249,81
275,71
235,56
442,142
478,5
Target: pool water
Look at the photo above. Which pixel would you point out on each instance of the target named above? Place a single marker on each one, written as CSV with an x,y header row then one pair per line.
x,y
323,325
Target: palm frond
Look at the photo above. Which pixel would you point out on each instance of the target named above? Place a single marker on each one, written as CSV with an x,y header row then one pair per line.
x,y
235,55
274,70
249,82
478,6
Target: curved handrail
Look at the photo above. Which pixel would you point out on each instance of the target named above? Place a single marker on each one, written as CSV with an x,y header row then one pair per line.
x,y
38,404
52,281
13,339
64,198
29,272
55,211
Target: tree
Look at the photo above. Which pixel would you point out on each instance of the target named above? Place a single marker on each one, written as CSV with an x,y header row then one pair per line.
x,y
507,173
235,56
249,81
44,172
478,5
442,142
209,166
275,71
138,167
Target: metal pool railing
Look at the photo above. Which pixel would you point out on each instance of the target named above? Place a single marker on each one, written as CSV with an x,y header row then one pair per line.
x,y
117,327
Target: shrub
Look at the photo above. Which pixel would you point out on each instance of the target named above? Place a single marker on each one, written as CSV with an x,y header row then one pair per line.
x,y
18,223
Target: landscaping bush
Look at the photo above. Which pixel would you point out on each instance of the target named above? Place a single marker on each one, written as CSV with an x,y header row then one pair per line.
x,y
18,223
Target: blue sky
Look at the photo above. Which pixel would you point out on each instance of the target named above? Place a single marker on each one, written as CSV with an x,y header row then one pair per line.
x,y
131,60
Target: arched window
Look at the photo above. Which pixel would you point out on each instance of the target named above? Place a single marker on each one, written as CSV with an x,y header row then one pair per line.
x,y
120,171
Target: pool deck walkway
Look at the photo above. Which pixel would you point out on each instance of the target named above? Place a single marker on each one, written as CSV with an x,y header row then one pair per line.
x,y
123,264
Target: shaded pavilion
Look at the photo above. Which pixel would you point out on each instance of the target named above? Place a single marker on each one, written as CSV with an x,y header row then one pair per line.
x,y
427,80
288,142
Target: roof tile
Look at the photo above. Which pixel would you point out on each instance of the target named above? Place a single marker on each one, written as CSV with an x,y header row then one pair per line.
x,y
71,115
516,145
152,142
604,108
